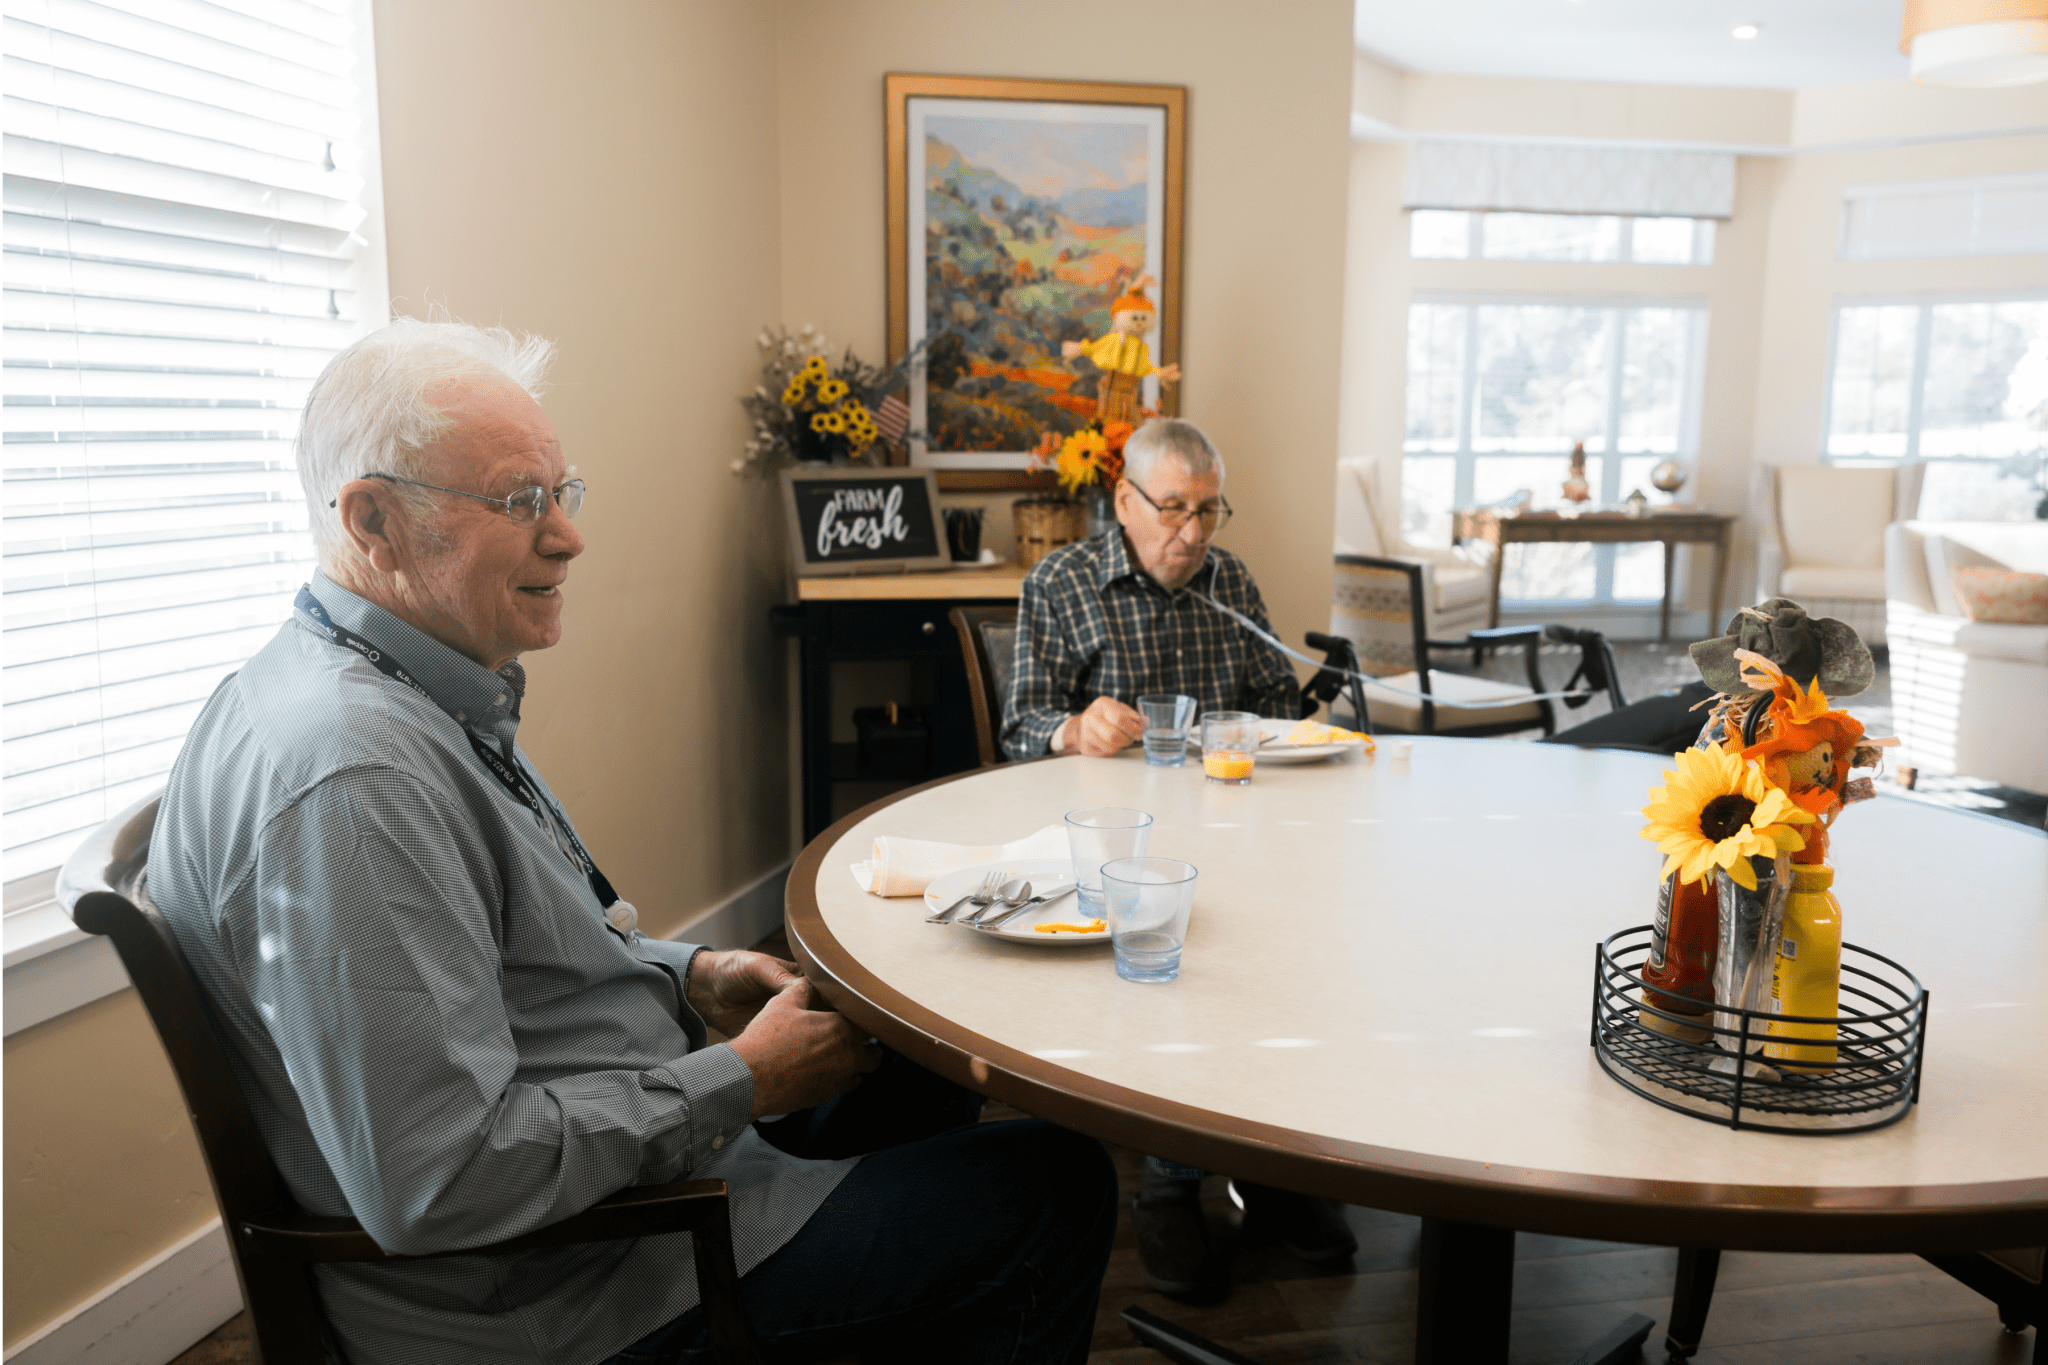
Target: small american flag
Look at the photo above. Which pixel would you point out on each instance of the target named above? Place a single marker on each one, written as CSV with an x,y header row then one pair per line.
x,y
892,419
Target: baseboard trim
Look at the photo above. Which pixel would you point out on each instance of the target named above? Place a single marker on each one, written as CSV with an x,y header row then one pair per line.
x,y
150,1316
742,919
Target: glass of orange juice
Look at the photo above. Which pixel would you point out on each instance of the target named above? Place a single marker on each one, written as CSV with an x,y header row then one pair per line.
x,y
1229,740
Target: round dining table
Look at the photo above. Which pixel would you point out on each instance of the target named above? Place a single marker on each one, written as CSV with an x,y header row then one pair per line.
x,y
1386,998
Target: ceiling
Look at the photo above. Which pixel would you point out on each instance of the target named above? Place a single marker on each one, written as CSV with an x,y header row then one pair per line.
x,y
1662,42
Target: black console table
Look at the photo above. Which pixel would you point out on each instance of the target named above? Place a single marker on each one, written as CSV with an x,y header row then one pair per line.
x,y
893,617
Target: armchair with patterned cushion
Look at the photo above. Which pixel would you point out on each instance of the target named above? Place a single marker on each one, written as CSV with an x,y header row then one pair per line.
x,y
1457,584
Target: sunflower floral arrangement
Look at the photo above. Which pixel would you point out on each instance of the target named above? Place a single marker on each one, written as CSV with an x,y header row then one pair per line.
x,y
1089,460
807,409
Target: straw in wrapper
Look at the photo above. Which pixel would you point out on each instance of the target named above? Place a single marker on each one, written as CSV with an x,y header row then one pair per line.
x,y
1748,947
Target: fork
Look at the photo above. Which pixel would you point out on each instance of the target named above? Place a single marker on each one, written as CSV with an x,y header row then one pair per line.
x,y
980,899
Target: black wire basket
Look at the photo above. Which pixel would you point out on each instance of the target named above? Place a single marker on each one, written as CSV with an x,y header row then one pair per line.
x,y
1874,1079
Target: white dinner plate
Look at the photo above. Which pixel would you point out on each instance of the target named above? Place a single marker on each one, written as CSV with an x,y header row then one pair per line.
x,y
1045,875
1273,751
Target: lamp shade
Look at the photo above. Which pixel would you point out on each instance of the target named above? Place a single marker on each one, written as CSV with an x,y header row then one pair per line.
x,y
1977,42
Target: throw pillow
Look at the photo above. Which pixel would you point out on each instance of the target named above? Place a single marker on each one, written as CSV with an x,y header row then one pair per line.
x,y
2007,595
1944,556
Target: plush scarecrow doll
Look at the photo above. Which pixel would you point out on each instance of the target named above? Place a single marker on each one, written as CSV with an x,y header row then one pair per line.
x,y
1123,357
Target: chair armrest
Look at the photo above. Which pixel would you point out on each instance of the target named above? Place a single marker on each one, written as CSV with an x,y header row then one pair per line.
x,y
1502,634
641,1211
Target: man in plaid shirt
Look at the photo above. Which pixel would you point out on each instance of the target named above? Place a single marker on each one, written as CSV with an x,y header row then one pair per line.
x,y
1101,623
1105,621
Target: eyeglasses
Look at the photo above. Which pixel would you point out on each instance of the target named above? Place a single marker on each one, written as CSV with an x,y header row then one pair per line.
x,y
528,504
1213,516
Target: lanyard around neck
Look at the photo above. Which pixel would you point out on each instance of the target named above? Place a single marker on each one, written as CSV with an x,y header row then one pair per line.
x,y
509,777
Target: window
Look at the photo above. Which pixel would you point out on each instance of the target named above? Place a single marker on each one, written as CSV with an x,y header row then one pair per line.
x,y
1500,391
1973,216
1963,385
1447,235
190,234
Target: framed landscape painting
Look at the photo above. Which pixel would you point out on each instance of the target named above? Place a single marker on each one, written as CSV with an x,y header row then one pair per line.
x,y
1019,211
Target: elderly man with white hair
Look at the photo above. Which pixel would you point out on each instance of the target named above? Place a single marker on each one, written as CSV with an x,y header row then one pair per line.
x,y
443,1015
1100,624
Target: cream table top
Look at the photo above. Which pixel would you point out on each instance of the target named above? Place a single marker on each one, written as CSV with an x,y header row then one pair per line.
x,y
1386,998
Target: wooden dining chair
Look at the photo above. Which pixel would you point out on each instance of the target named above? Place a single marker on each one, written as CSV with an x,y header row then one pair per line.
x,y
1378,604
988,638
276,1243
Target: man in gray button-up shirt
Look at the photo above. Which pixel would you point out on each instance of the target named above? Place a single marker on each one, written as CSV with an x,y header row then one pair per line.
x,y
447,1024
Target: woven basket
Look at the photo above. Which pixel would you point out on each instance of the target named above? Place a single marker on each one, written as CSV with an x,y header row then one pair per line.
x,y
1043,525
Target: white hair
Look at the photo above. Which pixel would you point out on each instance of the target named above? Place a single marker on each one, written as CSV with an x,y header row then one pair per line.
x,y
1164,436
368,412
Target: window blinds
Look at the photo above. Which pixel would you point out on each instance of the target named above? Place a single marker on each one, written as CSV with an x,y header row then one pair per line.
x,y
1548,178
189,223
1992,215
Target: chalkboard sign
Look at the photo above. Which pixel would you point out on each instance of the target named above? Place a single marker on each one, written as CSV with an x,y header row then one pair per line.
x,y
852,520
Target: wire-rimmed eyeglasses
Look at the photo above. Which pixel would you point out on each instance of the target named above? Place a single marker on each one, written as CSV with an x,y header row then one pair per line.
x,y
1214,516
527,504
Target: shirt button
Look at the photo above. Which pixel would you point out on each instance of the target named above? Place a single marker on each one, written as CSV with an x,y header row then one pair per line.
x,y
718,1142
500,701
460,718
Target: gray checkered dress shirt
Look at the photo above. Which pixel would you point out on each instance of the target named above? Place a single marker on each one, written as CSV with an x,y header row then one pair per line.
x,y
1091,623
436,1028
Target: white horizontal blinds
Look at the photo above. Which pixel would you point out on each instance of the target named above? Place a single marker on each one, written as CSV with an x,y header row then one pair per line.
x,y
1999,215
185,189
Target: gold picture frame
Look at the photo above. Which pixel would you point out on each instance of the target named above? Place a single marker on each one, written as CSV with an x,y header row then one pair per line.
x,y
1109,240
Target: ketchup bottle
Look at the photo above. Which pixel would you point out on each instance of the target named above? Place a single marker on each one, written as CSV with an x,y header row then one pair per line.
x,y
1682,948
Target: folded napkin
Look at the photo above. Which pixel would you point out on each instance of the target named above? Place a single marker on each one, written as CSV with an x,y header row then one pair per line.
x,y
905,867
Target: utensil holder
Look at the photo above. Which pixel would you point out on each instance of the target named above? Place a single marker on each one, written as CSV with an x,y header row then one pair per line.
x,y
1872,1083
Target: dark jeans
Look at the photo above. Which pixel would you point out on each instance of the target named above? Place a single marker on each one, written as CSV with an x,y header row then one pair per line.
x,y
953,1241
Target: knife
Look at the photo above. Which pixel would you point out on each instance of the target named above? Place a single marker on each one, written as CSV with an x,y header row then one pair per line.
x,y
998,921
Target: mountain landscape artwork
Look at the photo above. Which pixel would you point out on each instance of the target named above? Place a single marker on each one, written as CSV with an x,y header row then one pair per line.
x,y
1031,229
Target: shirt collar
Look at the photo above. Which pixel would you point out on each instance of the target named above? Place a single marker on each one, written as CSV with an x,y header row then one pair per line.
x,y
471,694
1116,562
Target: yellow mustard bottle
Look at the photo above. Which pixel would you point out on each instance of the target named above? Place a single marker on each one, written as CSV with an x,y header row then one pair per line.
x,y
1807,977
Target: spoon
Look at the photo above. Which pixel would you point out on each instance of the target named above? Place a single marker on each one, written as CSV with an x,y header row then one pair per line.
x,y
1014,892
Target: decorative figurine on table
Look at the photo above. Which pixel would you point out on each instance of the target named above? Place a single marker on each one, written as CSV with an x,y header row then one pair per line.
x,y
1744,822
1576,489
1123,357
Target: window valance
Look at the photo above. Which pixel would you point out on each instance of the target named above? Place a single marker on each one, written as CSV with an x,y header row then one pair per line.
x,y
1544,178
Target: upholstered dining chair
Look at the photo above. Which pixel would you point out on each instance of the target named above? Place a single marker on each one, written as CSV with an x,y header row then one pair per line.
x,y
988,642
276,1243
1380,605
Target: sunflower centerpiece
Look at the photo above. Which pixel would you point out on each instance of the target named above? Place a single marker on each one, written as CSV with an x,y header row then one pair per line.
x,y
807,409
1743,823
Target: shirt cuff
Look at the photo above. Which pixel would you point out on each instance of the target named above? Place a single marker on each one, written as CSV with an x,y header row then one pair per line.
x,y
718,1093
1058,743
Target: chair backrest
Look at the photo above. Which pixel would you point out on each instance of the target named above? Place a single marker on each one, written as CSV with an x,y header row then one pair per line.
x,y
1834,515
1377,605
1358,518
988,639
103,886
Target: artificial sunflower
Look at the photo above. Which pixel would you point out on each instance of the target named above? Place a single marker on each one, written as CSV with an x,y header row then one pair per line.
x,y
1080,461
1717,811
831,390
794,394
820,424
814,367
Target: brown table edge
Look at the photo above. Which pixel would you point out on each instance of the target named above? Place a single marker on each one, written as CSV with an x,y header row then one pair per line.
x,y
1611,1208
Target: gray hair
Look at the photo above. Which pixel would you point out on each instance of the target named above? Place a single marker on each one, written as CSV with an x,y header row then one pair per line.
x,y
368,412
1164,436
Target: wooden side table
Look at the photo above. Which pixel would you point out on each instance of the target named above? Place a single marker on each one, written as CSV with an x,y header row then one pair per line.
x,y
1603,528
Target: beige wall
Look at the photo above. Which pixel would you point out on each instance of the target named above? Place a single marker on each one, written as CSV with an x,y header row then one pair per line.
x,y
1269,87
102,1170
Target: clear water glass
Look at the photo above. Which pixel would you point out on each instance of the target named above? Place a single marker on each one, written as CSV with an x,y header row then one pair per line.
x,y
1103,834
1149,900
1230,743
1167,717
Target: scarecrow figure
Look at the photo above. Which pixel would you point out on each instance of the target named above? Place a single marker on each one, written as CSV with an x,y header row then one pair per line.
x,y
1123,357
